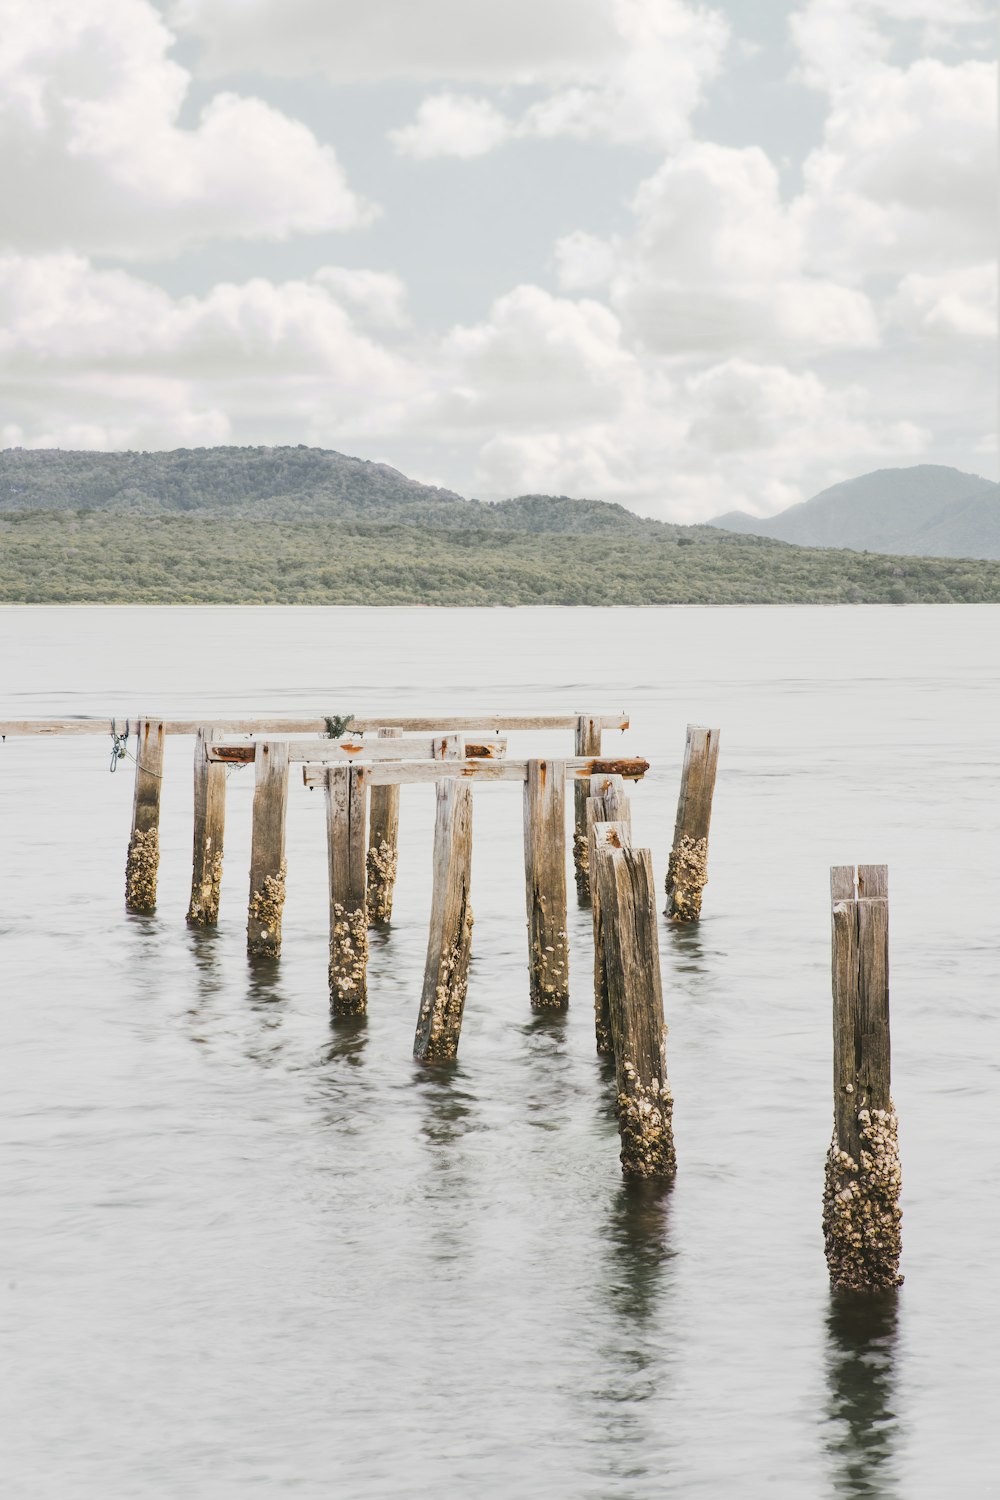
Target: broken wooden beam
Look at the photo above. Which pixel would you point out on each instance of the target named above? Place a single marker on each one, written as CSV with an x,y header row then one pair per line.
x,y
861,1213
687,871
322,752
449,942
389,773
284,724
143,860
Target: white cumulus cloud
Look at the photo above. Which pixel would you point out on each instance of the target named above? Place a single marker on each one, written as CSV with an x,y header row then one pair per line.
x,y
93,153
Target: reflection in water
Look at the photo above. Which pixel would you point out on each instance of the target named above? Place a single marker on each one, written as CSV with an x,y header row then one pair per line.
x,y
448,1113
268,1002
338,1069
549,1089
639,1251
204,945
861,1376
685,947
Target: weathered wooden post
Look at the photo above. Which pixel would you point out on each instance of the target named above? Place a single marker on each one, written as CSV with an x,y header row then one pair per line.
x,y
209,833
587,742
861,1213
687,871
628,913
267,849
607,804
545,882
143,860
346,790
383,846
449,942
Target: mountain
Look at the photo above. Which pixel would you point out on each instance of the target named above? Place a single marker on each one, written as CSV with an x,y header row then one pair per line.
x,y
306,526
925,511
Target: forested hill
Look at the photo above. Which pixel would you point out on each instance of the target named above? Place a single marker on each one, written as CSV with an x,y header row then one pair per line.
x,y
304,526
280,484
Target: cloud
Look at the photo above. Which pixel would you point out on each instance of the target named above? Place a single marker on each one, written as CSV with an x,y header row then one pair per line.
x,y
451,125
839,42
960,305
715,262
84,349
93,154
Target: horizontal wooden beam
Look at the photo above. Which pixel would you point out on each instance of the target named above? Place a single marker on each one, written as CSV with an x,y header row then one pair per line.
x,y
330,752
400,773
276,725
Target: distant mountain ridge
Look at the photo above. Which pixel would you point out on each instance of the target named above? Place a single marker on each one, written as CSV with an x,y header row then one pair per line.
x,y
928,510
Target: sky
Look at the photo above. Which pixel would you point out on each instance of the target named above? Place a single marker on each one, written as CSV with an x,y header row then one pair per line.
x,y
686,257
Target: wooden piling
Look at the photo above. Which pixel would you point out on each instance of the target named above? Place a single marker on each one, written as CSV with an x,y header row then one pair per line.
x,y
346,790
861,1213
449,943
545,882
209,833
687,871
267,852
645,1105
588,742
383,846
143,860
606,805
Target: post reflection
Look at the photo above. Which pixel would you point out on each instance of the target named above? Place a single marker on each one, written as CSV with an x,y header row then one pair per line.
x,y
862,1337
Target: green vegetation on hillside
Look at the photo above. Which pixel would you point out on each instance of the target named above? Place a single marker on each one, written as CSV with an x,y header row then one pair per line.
x,y
72,556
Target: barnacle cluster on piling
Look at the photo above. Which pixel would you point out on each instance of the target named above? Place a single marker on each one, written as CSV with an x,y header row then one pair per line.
x,y
441,1013
264,913
381,863
204,908
687,877
861,1212
581,863
141,865
348,969
645,1120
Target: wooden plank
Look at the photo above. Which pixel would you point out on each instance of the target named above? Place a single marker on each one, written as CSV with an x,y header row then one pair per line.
x,y
687,870
283,724
326,752
449,941
267,850
607,806
209,834
861,1213
587,743
390,773
545,883
645,1104
383,846
143,860
346,791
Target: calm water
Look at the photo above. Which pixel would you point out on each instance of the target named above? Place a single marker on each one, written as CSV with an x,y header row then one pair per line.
x,y
246,1252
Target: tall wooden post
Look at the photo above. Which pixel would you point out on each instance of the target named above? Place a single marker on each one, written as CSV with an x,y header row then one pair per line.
x,y
267,850
587,742
143,860
545,882
346,790
209,833
861,1213
606,805
383,846
449,942
645,1104
687,872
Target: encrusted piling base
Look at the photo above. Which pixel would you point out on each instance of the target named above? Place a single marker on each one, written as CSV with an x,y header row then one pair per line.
x,y
141,866
349,962
861,1213
266,907
440,1024
380,869
687,877
549,977
204,908
581,864
645,1119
